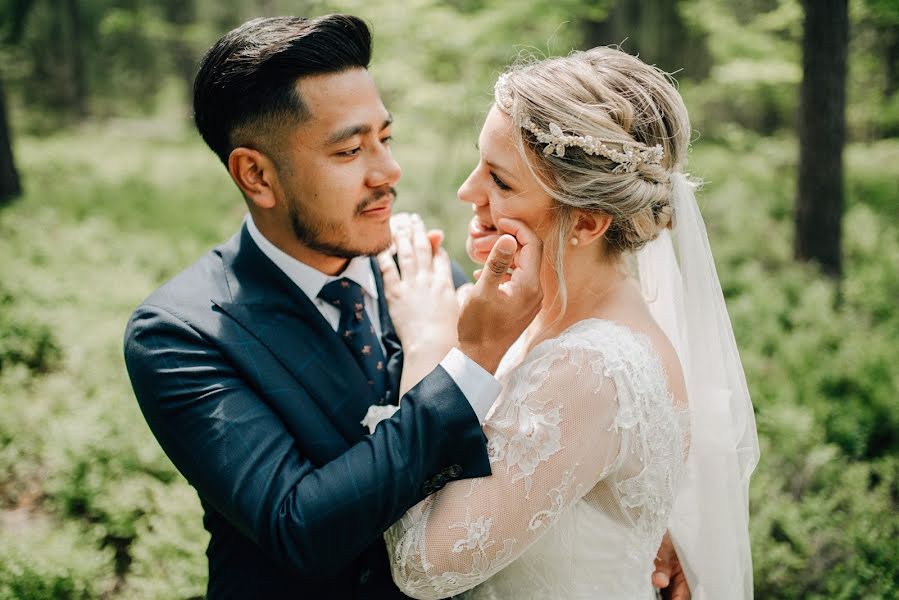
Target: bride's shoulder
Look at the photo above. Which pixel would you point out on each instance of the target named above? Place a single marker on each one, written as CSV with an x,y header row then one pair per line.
x,y
601,339
591,349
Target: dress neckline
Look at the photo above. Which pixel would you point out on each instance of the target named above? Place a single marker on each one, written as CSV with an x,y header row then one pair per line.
x,y
521,357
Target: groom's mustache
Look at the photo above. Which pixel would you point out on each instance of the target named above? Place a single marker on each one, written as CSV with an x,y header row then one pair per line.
x,y
377,196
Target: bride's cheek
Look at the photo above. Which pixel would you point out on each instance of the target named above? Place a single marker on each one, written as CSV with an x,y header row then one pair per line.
x,y
485,244
470,251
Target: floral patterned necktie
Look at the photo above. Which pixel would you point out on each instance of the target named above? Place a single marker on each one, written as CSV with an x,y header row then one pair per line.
x,y
357,331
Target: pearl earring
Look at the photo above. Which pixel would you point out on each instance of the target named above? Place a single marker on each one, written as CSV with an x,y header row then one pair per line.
x,y
574,241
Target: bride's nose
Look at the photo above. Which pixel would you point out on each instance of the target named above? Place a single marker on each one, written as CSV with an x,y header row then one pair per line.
x,y
470,191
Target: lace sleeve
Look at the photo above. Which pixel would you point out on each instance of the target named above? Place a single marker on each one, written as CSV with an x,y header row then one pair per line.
x,y
552,435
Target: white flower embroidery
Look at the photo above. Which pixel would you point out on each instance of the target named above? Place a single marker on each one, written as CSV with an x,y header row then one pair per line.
x,y
538,437
478,532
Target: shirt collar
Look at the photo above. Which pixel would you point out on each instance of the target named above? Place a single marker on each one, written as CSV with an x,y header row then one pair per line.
x,y
308,279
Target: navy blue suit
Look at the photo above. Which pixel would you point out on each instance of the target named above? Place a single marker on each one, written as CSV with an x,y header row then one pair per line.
x,y
257,402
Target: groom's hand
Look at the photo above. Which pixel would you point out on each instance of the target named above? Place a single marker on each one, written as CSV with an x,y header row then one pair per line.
x,y
669,576
500,306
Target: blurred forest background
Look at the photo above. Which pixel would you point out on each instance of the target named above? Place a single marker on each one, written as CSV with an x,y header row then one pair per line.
x,y
795,106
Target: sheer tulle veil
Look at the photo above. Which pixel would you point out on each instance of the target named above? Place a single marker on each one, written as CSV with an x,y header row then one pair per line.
x,y
709,521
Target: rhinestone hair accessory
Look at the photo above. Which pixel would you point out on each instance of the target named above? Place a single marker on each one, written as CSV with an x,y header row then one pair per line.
x,y
631,155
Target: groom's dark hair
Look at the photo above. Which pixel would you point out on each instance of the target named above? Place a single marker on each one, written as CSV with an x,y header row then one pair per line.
x,y
245,91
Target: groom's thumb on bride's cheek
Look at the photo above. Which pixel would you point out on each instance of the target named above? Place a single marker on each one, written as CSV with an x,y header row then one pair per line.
x,y
500,260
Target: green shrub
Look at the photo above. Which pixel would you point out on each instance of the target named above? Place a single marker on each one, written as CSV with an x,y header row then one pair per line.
x,y
26,343
44,560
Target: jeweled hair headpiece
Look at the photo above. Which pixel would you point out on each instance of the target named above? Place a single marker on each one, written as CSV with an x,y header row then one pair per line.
x,y
631,155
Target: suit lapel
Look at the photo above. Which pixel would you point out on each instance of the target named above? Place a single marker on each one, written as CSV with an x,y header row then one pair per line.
x,y
392,347
278,314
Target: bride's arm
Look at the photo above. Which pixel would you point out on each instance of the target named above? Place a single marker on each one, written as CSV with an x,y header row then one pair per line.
x,y
551,437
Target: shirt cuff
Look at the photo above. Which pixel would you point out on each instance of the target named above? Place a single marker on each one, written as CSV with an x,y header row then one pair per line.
x,y
479,387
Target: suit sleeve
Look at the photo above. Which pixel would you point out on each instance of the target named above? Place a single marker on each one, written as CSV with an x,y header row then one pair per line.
x,y
459,276
242,460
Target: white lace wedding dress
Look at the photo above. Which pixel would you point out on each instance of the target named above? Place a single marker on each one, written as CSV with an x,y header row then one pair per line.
x,y
587,448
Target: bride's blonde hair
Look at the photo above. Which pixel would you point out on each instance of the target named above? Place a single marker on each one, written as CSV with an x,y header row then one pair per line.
x,y
600,94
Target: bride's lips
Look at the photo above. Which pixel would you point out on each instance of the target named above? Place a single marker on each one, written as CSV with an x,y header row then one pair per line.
x,y
481,237
479,229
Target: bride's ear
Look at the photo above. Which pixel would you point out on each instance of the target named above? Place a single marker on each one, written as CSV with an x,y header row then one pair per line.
x,y
589,227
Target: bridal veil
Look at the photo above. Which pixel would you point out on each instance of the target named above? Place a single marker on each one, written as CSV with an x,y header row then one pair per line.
x,y
709,522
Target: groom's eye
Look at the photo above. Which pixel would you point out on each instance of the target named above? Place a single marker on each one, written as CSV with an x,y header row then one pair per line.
x,y
499,182
350,152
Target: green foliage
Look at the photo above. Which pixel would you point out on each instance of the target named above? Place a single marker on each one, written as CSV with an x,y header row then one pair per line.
x,y
26,343
89,505
820,364
48,561
756,69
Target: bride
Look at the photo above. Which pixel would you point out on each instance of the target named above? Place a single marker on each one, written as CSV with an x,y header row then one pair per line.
x,y
624,412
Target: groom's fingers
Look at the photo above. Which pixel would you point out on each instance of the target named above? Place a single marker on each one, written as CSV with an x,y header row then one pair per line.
x,y
660,579
668,575
463,292
498,263
529,258
477,275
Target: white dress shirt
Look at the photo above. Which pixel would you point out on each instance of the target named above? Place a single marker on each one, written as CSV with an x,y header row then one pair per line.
x,y
478,386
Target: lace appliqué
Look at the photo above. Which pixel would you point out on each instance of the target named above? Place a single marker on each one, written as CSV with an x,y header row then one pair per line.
x,y
486,558
647,497
534,558
411,566
557,496
537,435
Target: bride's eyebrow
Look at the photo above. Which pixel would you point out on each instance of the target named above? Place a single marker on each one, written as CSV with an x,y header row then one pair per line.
x,y
506,173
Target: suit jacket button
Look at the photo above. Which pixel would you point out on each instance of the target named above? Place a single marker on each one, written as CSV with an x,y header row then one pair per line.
x,y
364,576
454,470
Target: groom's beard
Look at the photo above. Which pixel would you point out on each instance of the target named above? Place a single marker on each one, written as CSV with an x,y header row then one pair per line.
x,y
331,237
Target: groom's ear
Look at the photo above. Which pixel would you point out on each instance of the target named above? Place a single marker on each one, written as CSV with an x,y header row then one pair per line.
x,y
254,173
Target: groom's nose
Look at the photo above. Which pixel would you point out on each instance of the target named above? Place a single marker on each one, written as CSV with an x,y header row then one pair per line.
x,y
383,171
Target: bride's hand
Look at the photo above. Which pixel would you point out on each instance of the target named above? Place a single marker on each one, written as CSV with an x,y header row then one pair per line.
x,y
421,299
403,221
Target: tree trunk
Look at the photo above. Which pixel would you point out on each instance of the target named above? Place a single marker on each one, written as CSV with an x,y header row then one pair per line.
x,y
77,76
10,187
892,64
655,30
182,14
822,102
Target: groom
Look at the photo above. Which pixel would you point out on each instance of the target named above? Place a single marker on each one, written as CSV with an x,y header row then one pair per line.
x,y
255,366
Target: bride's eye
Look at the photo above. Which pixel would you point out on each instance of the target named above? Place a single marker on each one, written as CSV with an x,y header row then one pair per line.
x,y
500,183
